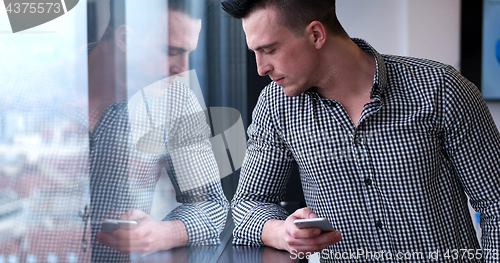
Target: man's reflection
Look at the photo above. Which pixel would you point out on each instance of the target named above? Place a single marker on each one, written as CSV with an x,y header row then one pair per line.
x,y
123,178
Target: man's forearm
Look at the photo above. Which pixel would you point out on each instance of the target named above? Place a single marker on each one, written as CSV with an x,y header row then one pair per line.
x,y
269,235
174,234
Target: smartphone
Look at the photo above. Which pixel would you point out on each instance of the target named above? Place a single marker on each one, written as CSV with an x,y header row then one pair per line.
x,y
322,223
111,225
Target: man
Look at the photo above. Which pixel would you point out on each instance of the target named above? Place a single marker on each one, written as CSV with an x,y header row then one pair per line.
x,y
125,139
387,146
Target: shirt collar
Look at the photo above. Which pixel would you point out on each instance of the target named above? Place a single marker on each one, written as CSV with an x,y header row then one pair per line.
x,y
380,78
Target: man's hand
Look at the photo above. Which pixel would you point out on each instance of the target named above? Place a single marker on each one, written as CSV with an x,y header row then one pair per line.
x,y
149,237
284,235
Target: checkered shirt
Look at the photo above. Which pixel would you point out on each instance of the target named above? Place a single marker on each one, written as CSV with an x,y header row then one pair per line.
x,y
122,177
398,182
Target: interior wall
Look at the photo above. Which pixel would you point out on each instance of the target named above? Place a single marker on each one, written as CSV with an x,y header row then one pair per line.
x,y
434,30
383,23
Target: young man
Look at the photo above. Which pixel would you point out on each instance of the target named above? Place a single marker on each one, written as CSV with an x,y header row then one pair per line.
x,y
173,135
387,146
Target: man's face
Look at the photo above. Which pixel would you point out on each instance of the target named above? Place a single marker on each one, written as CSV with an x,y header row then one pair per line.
x,y
162,51
183,33
287,58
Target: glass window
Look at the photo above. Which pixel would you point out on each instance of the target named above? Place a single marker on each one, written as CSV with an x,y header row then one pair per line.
x,y
108,106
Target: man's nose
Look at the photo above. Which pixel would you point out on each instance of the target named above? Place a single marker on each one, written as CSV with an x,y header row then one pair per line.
x,y
263,66
178,64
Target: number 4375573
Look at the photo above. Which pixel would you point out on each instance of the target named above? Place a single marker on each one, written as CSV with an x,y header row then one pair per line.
x,y
459,254
34,8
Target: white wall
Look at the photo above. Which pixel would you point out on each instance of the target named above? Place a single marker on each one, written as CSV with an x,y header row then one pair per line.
x,y
419,28
383,23
434,30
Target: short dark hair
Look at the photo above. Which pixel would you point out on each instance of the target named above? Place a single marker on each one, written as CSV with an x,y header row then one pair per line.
x,y
295,14
187,7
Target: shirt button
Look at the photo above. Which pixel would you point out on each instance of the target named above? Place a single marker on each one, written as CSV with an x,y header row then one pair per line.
x,y
368,181
358,140
378,224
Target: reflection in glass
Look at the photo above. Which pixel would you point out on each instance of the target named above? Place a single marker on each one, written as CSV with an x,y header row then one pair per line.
x,y
98,116
161,126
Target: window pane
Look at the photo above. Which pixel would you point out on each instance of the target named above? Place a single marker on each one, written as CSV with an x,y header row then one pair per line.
x,y
44,183
118,105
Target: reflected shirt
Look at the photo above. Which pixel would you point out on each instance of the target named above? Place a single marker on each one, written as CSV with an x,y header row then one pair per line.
x,y
398,182
129,147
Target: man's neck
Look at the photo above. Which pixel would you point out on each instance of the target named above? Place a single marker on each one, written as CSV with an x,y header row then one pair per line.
x,y
347,70
348,76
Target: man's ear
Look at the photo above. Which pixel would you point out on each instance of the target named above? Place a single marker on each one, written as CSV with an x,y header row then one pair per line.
x,y
121,37
317,34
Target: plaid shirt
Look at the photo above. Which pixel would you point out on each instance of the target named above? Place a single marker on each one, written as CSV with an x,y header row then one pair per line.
x,y
173,134
398,182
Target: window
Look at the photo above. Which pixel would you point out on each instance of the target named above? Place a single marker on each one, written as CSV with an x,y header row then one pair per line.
x,y
70,79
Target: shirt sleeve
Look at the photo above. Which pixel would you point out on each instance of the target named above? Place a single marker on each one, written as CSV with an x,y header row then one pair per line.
x,y
263,177
193,171
472,144
203,212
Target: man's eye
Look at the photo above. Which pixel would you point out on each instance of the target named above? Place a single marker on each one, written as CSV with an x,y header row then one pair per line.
x,y
269,52
173,52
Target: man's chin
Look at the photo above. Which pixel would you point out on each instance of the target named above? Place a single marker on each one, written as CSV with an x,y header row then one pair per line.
x,y
291,91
